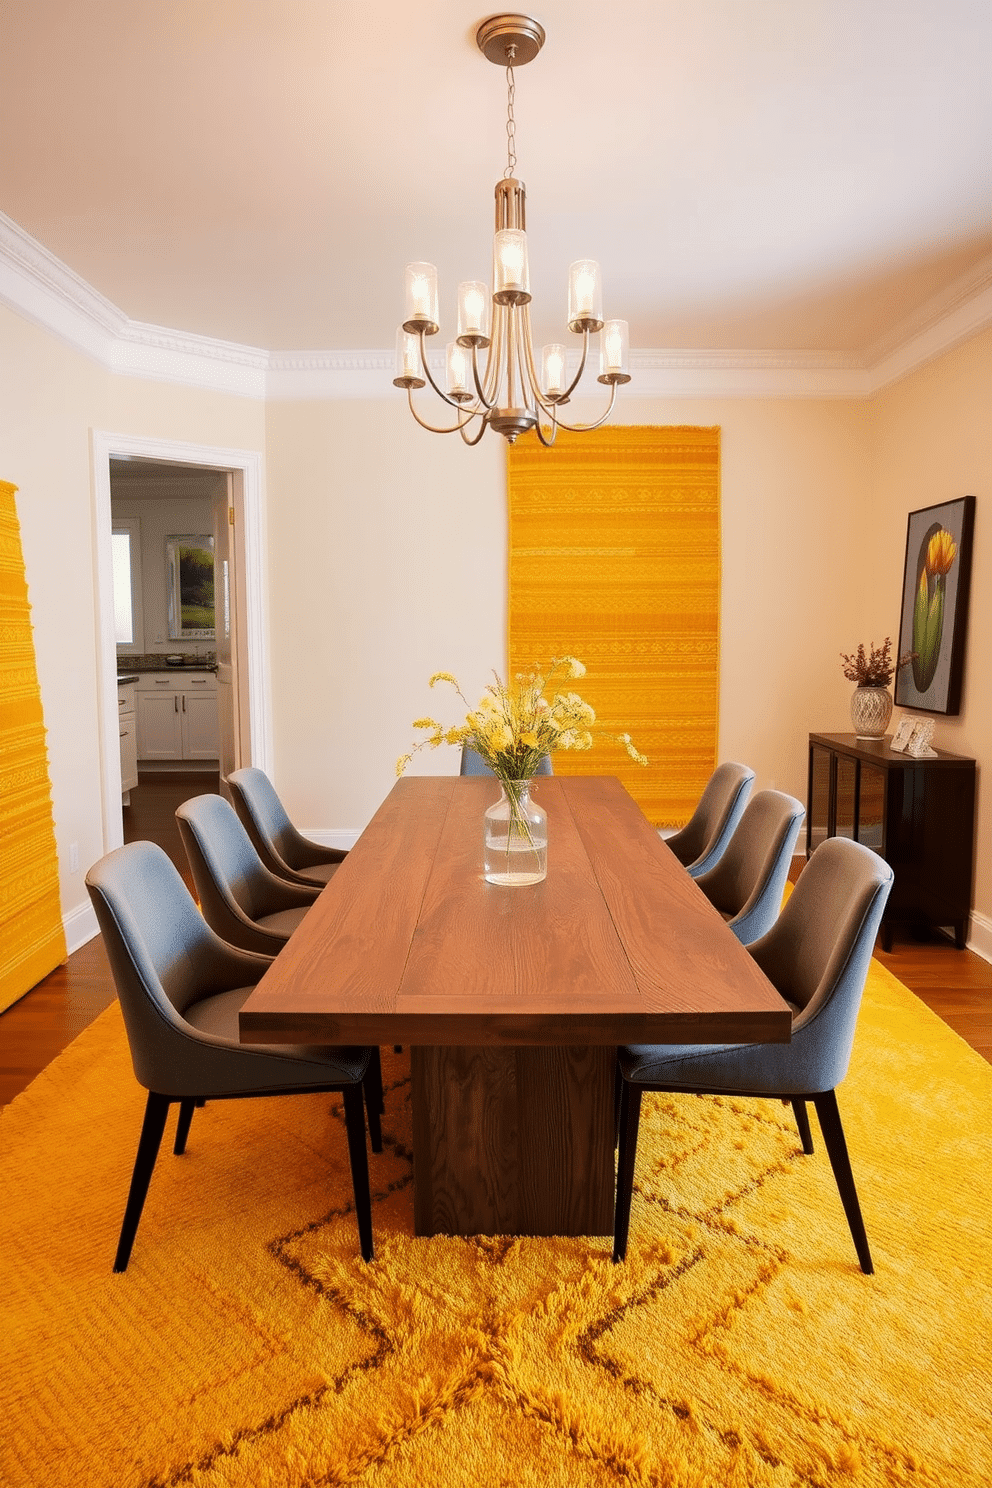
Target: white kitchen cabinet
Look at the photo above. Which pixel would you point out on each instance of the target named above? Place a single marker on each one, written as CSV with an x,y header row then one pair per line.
x,y
126,709
177,716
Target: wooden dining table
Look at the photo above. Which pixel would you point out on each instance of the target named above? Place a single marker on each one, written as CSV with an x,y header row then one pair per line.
x,y
512,1000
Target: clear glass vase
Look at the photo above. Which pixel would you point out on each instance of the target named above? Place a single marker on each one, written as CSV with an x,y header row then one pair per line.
x,y
515,837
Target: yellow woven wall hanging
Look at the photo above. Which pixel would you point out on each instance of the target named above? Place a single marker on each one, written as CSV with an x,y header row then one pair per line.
x,y
615,559
32,940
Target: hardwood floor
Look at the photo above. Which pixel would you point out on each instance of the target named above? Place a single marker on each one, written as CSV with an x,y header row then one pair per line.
x,y
957,985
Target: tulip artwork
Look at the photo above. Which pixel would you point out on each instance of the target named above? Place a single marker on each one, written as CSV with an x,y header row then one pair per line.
x,y
937,553
934,608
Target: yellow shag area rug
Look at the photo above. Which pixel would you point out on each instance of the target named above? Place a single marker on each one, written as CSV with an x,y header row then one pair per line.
x,y
739,1345
32,940
615,559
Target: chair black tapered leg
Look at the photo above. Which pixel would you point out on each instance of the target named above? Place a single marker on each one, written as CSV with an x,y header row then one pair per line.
x,y
372,1089
630,1118
617,1094
833,1137
375,1072
186,1109
354,1120
802,1123
156,1110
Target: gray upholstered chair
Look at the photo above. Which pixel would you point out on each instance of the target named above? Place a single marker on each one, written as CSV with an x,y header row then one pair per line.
x,y
181,989
283,850
472,763
241,900
817,956
748,881
700,843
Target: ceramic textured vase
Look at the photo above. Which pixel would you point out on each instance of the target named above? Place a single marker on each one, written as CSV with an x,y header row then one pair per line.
x,y
871,709
515,837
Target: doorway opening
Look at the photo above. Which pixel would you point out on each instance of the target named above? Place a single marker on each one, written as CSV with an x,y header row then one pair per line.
x,y
243,670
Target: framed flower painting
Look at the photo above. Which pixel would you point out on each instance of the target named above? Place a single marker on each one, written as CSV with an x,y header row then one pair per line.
x,y
934,615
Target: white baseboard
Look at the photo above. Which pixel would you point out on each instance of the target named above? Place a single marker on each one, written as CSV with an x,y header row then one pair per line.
x,y
343,838
80,926
980,935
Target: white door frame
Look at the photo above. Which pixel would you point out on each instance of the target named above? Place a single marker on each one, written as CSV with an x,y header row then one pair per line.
x,y
247,464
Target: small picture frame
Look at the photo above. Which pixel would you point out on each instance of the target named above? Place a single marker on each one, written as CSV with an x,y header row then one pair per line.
x,y
903,733
919,740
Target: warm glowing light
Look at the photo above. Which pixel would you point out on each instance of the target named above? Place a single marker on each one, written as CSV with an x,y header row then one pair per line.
x,y
585,295
407,363
458,363
421,295
473,308
510,272
614,352
553,366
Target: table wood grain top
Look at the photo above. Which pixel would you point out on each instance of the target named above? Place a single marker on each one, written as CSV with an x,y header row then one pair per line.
x,y
409,944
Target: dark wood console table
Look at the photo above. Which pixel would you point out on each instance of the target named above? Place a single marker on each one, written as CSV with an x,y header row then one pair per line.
x,y
918,814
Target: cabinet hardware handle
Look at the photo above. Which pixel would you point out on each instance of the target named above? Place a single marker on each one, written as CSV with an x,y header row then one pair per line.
x,y
175,703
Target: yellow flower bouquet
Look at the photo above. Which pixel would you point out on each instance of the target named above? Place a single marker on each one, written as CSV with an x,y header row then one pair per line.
x,y
512,728
515,725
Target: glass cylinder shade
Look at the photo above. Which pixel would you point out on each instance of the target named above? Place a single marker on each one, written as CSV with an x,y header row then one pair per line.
x,y
511,274
473,312
614,349
585,296
407,365
458,370
554,378
421,298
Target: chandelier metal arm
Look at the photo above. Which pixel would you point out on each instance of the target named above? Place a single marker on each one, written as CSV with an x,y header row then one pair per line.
x,y
483,426
486,402
550,404
431,429
585,428
554,432
451,402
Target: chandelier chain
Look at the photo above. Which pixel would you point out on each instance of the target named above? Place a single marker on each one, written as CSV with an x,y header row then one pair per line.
x,y
511,123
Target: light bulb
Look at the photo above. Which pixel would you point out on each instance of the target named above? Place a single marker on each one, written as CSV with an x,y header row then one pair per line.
x,y
585,296
511,275
421,298
553,370
473,313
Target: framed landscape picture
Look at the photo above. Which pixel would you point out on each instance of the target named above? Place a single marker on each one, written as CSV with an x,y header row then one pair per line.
x,y
934,615
190,575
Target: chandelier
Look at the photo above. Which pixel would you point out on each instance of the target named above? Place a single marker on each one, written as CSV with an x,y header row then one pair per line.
x,y
506,393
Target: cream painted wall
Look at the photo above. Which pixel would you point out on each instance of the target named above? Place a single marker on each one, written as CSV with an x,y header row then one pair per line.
x,y
386,552
51,397
932,441
387,563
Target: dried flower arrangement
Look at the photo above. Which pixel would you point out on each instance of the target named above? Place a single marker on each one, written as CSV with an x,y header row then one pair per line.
x,y
877,668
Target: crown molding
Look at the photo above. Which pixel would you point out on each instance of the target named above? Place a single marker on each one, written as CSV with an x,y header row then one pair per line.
x,y
37,285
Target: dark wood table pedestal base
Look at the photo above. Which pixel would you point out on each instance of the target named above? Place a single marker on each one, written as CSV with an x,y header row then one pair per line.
x,y
513,1141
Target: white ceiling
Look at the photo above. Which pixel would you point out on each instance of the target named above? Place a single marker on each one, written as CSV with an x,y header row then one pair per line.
x,y
773,174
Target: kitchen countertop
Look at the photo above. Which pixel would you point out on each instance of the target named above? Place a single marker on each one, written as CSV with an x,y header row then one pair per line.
x,y
187,666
